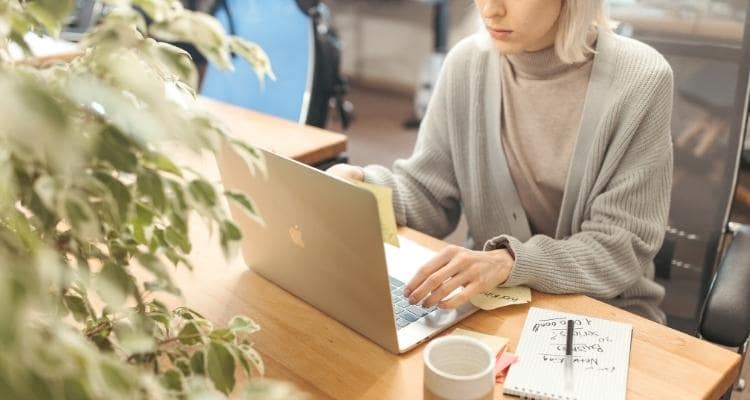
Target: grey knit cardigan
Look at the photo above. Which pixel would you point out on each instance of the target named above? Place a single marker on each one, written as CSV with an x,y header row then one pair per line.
x,y
616,199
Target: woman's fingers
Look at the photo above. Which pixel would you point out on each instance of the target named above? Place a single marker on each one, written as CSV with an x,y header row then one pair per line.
x,y
346,171
454,268
446,288
461,297
425,272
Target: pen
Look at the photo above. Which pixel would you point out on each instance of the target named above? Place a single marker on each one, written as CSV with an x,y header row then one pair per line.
x,y
569,355
569,342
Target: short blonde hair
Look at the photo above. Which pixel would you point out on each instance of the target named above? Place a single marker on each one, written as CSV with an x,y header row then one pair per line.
x,y
577,19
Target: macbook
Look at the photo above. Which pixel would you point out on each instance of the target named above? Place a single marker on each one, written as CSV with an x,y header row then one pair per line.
x,y
320,240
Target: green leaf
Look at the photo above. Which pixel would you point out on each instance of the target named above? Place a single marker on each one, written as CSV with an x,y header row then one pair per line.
x,y
117,149
160,318
173,380
179,62
158,306
190,334
176,238
255,56
76,306
243,324
50,13
102,343
20,41
179,195
222,334
161,241
45,104
230,236
220,366
210,133
179,223
119,252
137,342
243,360
206,33
153,264
187,313
114,284
198,363
162,285
163,163
157,10
119,192
254,357
247,205
80,215
74,389
139,234
183,366
116,378
150,184
144,214
176,258
203,192
46,190
254,159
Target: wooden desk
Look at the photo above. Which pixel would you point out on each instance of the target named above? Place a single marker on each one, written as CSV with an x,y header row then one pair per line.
x,y
300,344
303,143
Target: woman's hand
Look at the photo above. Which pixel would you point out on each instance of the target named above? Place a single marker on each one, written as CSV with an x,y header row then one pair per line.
x,y
347,171
454,267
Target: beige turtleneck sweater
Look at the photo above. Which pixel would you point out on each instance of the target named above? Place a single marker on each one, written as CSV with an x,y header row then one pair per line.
x,y
541,113
614,212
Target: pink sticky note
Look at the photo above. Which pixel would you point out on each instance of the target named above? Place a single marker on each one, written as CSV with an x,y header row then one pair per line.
x,y
504,360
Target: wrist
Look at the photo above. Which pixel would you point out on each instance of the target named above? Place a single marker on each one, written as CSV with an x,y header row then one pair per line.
x,y
504,260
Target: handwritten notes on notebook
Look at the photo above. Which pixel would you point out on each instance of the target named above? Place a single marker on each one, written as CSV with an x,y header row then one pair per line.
x,y
383,196
502,297
601,354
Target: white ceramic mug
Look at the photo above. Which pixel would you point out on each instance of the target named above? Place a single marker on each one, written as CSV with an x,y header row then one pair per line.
x,y
458,367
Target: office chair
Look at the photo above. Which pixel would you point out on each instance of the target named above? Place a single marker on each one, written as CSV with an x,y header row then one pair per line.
x,y
704,263
285,32
725,317
304,53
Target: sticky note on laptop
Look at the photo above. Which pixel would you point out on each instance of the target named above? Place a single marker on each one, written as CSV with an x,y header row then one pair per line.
x,y
502,297
384,198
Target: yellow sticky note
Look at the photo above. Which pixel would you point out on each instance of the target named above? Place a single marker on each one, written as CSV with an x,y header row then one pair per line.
x,y
384,198
502,297
495,343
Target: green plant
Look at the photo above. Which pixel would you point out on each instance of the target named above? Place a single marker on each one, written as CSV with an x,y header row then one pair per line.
x,y
92,211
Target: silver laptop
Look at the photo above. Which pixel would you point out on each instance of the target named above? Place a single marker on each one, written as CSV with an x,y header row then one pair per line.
x,y
321,241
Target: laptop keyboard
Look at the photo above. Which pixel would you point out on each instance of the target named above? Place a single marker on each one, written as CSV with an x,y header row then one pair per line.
x,y
405,312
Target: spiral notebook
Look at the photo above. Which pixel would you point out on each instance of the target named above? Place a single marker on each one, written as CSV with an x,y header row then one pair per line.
x,y
601,354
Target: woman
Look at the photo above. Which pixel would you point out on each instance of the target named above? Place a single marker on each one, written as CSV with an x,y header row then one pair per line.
x,y
555,141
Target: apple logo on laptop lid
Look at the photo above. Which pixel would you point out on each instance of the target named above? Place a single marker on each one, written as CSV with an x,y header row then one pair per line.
x,y
295,233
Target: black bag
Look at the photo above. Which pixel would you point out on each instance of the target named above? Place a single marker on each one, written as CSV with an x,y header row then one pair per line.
x,y
328,83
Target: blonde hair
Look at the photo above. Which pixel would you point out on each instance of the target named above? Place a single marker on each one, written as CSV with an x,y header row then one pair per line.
x,y
578,18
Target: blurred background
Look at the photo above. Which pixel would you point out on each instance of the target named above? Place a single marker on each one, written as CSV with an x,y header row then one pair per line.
x,y
366,68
